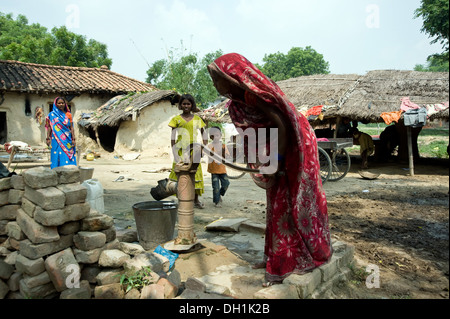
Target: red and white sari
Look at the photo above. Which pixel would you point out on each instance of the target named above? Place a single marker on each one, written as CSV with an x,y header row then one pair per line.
x,y
297,234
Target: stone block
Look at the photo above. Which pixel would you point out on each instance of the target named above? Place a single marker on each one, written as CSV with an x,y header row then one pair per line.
x,y
17,182
329,269
31,267
34,251
4,289
144,260
153,291
133,294
170,290
11,258
127,235
14,280
110,233
63,268
89,273
14,231
344,254
113,258
49,198
35,232
86,240
111,291
174,277
67,174
75,193
4,197
282,291
39,292
28,207
15,196
305,283
87,256
6,270
40,177
97,222
69,228
106,277
131,248
38,280
5,183
8,212
3,224
76,293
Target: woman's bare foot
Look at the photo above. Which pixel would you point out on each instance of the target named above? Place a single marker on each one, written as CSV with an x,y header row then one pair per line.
x,y
260,265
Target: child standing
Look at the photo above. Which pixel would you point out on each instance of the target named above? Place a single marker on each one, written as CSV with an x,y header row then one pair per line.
x,y
219,177
189,125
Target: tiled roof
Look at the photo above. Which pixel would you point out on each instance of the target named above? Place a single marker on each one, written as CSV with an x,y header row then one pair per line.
x,y
18,76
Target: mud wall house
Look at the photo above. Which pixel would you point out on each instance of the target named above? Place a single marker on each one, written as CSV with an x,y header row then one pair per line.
x,y
134,122
27,91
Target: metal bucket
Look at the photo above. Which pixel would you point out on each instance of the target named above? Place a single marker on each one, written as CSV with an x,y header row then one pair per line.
x,y
155,222
86,173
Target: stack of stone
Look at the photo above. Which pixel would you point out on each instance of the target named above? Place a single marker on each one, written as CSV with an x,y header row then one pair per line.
x,y
55,246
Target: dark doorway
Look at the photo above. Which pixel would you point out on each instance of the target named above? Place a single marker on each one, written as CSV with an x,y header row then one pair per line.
x,y
3,128
107,137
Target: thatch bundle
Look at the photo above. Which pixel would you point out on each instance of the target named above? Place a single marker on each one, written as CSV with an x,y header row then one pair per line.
x,y
122,107
359,97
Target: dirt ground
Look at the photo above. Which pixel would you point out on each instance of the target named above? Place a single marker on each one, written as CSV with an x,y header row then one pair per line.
x,y
398,222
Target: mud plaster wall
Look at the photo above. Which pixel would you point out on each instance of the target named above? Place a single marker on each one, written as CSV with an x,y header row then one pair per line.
x,y
150,132
21,127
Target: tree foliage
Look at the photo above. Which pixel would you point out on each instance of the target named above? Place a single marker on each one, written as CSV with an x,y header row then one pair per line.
x,y
297,62
436,23
434,64
32,43
185,73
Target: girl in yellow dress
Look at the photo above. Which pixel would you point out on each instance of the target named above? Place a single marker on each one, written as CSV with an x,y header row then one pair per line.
x,y
188,126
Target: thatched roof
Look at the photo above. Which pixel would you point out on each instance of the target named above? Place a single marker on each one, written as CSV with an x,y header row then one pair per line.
x,y
359,97
122,107
382,91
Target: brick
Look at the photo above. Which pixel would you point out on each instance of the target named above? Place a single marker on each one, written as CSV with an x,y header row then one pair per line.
x,y
4,197
97,222
38,280
282,291
305,283
61,267
61,216
17,182
38,292
85,240
152,291
69,228
6,270
8,212
40,177
14,231
35,232
28,207
111,291
170,290
75,193
15,196
67,174
77,212
113,258
5,183
49,198
329,269
87,257
34,251
31,267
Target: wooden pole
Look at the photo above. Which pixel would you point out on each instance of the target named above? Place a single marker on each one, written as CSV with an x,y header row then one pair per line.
x,y
410,151
11,156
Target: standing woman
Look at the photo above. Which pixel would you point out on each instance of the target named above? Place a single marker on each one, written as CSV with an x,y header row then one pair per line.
x,y
188,126
60,134
297,236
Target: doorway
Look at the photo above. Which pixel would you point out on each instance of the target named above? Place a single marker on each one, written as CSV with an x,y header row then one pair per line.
x,y
3,128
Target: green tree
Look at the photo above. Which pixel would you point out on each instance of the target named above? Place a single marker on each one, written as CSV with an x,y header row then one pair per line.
x,y
185,73
434,64
32,43
297,62
436,23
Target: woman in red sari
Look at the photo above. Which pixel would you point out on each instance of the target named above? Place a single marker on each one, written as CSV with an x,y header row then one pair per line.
x,y
297,232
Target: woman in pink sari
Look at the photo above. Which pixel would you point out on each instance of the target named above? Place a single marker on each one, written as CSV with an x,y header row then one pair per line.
x,y
297,232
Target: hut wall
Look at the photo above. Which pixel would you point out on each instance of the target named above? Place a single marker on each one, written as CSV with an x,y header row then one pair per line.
x,y
150,132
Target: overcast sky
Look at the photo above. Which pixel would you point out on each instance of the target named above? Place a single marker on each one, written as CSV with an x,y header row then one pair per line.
x,y
354,36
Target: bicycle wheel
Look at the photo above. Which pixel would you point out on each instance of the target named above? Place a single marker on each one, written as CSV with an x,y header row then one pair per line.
x,y
340,160
325,165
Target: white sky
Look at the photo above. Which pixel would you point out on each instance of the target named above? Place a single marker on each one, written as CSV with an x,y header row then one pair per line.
x,y
354,36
